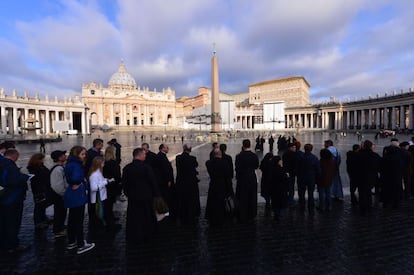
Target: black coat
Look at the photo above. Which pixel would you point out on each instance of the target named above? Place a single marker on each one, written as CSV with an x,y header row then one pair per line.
x,y
40,184
392,168
266,181
290,162
246,189
151,160
188,196
140,187
230,174
279,187
164,173
218,171
111,170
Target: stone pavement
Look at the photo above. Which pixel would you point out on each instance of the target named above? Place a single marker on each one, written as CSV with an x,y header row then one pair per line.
x,y
338,242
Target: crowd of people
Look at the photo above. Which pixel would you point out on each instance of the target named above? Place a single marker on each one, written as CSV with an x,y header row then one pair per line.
x,y
93,179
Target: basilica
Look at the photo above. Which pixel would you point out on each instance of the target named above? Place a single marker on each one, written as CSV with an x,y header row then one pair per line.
x,y
278,104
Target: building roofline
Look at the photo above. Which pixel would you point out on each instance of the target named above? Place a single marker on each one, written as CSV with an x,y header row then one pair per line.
x,y
279,80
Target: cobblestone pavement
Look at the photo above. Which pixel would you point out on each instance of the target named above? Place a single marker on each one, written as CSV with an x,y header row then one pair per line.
x,y
339,242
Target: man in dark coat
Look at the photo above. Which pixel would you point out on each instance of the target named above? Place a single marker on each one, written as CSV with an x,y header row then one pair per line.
x,y
140,187
215,146
93,152
271,142
246,189
290,164
308,172
230,166
188,196
165,178
151,157
11,202
367,172
351,168
392,174
218,172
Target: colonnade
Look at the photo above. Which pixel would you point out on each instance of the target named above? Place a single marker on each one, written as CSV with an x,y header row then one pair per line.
x,y
387,115
246,121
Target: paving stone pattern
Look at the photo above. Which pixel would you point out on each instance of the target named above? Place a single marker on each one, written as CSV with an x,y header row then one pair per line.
x,y
338,242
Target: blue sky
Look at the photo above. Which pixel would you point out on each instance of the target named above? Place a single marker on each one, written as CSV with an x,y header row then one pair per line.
x,y
345,49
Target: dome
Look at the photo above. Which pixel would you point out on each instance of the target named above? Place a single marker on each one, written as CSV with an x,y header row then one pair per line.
x,y
122,79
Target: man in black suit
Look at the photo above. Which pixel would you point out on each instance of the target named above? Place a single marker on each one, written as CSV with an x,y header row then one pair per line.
x,y
246,189
140,187
165,177
150,157
188,196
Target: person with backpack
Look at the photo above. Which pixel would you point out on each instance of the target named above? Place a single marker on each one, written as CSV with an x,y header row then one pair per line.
x,y
58,184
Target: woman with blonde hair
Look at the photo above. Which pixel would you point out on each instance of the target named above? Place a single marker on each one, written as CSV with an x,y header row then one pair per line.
x,y
97,186
111,170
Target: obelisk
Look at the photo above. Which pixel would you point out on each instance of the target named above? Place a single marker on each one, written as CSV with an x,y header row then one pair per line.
x,y
215,103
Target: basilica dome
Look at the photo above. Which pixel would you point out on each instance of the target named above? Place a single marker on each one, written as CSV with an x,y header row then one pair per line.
x,y
122,80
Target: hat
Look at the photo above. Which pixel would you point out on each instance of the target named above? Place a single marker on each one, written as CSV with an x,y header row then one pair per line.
x,y
290,145
404,143
55,155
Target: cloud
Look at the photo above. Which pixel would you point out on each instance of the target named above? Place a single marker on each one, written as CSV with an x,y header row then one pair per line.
x,y
343,48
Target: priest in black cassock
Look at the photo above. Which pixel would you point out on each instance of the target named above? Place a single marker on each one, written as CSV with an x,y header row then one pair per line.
x,y
165,178
140,187
218,170
186,184
246,189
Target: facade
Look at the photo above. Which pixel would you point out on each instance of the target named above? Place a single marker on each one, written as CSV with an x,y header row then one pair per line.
x,y
393,111
34,116
124,104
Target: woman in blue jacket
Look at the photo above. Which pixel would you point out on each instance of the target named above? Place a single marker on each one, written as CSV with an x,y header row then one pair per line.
x,y
75,199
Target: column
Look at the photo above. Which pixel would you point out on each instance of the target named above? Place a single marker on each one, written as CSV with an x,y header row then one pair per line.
x,y
47,118
26,116
347,120
84,120
393,118
15,123
3,119
410,116
37,117
377,118
385,118
369,118
363,122
402,117
71,119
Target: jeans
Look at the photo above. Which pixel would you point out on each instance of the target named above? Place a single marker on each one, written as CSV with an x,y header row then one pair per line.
x,y
325,198
302,187
75,225
10,221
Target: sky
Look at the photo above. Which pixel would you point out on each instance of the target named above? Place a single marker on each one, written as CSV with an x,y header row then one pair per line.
x,y
345,49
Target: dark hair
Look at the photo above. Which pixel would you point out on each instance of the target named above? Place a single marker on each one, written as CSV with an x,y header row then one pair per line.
x,y
145,144
329,142
356,147
214,144
11,152
246,143
298,144
137,151
223,147
161,146
7,145
186,147
97,141
367,145
36,160
308,147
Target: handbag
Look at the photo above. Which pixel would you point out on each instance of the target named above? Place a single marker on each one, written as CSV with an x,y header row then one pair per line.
x,y
99,211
